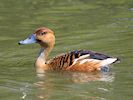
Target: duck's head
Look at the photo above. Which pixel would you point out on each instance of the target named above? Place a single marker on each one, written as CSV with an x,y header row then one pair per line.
x,y
44,36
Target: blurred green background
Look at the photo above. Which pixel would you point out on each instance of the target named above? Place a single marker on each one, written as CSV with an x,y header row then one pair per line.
x,y
100,25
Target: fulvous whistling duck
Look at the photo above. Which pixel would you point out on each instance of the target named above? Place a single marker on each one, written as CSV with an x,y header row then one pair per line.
x,y
78,60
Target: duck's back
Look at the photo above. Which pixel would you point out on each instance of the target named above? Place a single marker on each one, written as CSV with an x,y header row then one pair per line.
x,y
80,60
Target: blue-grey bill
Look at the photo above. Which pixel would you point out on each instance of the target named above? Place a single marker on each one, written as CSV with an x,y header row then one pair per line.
x,y
31,39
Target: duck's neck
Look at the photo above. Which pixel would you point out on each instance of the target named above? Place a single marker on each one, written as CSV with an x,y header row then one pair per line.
x,y
41,62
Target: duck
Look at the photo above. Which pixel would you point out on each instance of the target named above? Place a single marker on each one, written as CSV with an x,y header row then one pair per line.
x,y
76,60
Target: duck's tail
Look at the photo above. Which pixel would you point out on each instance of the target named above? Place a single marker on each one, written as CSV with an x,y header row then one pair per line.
x,y
109,61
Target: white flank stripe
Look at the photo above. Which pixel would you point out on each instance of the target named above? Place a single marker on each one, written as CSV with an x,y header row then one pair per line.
x,y
83,61
102,62
108,61
81,58
84,56
89,60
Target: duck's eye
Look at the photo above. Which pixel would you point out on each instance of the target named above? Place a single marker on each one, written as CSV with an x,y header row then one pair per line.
x,y
43,33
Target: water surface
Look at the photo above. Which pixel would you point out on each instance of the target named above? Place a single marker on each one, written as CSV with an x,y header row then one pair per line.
x,y
103,26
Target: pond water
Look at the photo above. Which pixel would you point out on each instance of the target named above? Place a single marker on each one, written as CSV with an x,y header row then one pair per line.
x,y
98,25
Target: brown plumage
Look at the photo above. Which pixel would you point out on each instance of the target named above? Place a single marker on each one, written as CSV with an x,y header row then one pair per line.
x,y
78,60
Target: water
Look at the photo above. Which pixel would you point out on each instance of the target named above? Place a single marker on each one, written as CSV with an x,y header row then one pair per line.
x,y
103,26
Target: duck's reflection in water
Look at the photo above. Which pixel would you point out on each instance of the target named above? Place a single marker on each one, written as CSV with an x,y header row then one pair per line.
x,y
51,82
87,77
78,77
